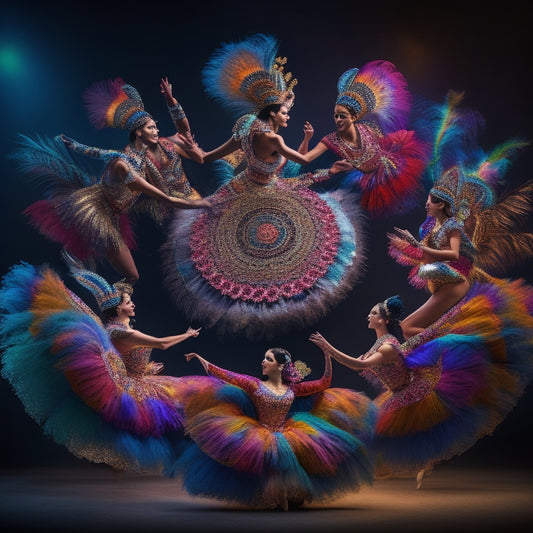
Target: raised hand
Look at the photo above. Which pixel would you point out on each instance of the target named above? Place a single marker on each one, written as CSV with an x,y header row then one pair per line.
x,y
191,332
407,236
308,130
166,90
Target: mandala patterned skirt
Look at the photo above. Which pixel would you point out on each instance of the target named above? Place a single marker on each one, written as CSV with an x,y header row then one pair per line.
x,y
264,260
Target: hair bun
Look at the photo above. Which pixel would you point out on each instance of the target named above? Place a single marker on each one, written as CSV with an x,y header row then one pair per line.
x,y
394,306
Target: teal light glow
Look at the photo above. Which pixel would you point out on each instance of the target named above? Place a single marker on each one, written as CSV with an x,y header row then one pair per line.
x,y
10,61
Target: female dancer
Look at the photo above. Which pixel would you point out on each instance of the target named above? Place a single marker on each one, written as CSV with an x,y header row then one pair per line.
x,y
439,397
163,155
277,441
89,215
89,382
371,114
464,179
447,254
273,252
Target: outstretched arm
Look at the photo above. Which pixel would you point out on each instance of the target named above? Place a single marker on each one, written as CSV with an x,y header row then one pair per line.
x,y
385,353
303,149
125,174
277,144
429,255
185,144
137,338
247,383
230,146
205,362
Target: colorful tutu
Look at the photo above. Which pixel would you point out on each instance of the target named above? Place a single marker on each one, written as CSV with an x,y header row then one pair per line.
x,y
467,372
319,452
61,363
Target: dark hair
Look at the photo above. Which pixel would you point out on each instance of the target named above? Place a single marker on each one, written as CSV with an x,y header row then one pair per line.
x,y
392,309
264,114
112,312
282,357
447,206
351,110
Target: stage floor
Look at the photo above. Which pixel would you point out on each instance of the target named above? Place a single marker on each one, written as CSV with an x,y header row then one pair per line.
x,y
94,499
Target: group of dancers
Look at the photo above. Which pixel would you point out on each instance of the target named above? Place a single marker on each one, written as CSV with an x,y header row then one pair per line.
x,y
274,247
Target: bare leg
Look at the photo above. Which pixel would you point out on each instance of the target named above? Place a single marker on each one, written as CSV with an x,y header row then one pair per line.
x,y
122,261
443,299
419,478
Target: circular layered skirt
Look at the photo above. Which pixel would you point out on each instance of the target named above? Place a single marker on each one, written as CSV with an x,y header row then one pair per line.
x,y
265,259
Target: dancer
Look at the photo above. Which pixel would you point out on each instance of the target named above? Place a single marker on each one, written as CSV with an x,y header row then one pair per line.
x,y
464,185
448,255
276,442
91,386
371,115
272,253
87,214
438,397
108,104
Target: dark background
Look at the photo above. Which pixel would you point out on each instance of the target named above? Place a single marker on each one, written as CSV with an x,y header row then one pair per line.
x,y
49,53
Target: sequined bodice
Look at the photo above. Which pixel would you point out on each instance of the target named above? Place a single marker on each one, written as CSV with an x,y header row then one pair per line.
x,y
135,360
168,176
363,157
394,375
115,189
271,409
117,193
440,238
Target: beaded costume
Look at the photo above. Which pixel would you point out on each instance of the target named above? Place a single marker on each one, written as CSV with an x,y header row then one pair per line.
x,y
388,159
85,213
454,382
467,178
467,370
433,275
255,447
63,366
116,104
169,178
271,253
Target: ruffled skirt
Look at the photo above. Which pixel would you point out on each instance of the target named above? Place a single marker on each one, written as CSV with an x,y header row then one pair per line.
x,y
318,454
468,371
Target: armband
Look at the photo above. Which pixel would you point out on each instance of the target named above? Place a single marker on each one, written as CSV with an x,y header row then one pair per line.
x,y
176,112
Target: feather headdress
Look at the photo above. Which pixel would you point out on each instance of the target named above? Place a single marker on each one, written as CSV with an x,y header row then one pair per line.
x,y
460,172
376,91
115,104
247,76
106,295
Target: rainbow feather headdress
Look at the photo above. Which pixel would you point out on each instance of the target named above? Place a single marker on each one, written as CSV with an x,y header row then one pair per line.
x,y
376,91
107,295
247,76
115,104
461,172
